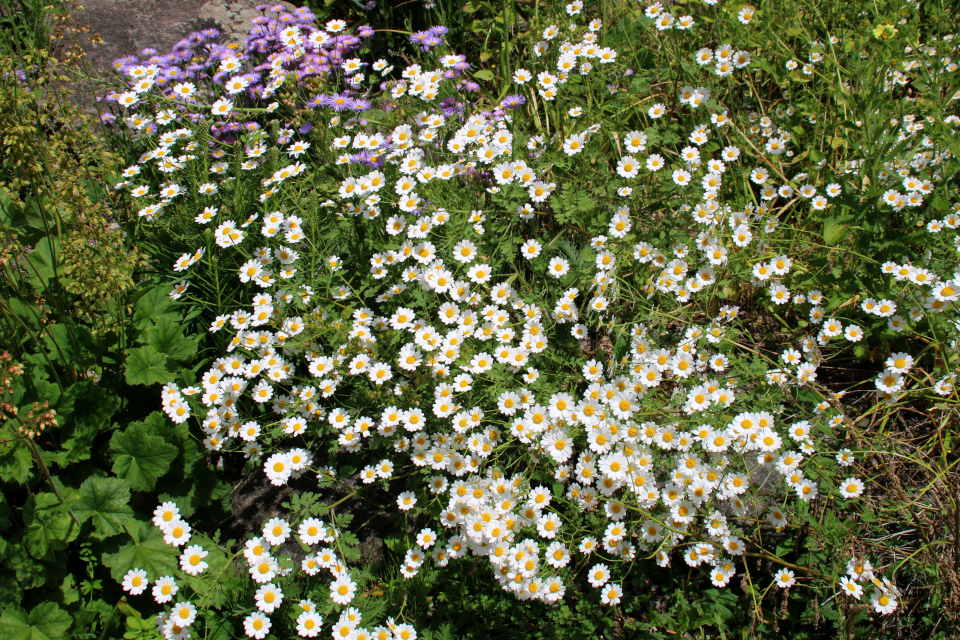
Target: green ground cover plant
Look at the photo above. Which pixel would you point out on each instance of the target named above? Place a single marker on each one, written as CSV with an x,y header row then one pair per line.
x,y
640,323
78,303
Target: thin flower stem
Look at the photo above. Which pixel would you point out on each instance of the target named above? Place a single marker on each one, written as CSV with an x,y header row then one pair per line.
x,y
46,472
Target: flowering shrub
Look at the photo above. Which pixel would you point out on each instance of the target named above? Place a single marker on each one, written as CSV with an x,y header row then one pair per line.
x,y
597,323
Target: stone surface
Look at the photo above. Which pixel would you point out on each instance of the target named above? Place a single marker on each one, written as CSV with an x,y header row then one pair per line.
x,y
129,26
233,18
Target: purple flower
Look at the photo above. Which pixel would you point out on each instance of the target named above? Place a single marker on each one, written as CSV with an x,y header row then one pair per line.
x,y
471,86
365,31
368,158
338,101
121,64
304,14
450,106
305,72
305,129
513,101
260,45
182,53
439,30
360,104
107,118
173,73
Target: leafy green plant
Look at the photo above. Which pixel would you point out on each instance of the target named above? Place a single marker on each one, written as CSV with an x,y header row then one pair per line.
x,y
76,298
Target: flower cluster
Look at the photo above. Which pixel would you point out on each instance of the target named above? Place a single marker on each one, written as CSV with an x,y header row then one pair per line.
x,y
410,299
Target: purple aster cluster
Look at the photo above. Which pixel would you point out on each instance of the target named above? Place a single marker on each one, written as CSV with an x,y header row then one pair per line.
x,y
452,107
279,44
343,101
432,37
370,159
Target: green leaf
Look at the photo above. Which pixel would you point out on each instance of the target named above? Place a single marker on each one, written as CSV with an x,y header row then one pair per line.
x,y
65,338
87,409
46,622
833,232
140,457
43,260
19,571
26,314
48,526
106,501
584,204
147,366
146,550
154,303
166,337
16,462
10,214
69,593
484,74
